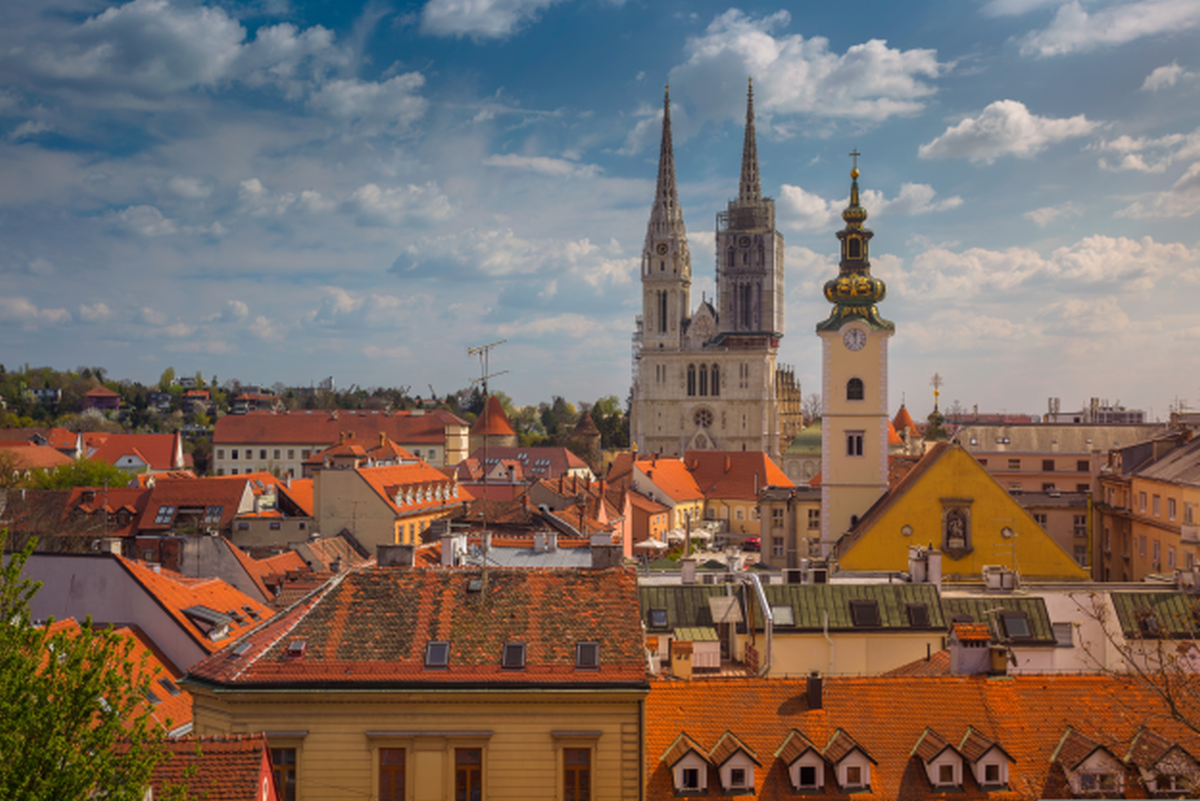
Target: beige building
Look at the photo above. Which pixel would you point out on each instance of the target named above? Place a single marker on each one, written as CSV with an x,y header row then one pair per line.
x,y
707,379
469,693
280,442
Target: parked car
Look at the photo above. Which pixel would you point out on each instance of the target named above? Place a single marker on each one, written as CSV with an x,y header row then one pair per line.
x,y
752,544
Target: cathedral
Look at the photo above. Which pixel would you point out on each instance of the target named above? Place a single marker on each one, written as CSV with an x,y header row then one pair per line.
x,y
707,379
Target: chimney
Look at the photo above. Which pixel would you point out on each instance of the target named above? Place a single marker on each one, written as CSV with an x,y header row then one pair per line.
x,y
728,463
539,542
382,439
551,540
681,659
687,568
608,555
815,691
395,555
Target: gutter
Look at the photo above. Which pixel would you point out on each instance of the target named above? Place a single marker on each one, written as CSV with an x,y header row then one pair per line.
x,y
769,622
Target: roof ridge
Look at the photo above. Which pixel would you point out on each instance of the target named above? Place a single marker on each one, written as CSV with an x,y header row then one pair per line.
x,y
324,590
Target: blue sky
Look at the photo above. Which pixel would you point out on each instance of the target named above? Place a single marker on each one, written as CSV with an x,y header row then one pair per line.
x,y
282,191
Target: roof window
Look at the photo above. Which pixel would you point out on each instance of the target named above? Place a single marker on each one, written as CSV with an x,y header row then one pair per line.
x,y
918,616
864,612
1016,625
587,655
241,648
514,656
165,513
152,698
1147,622
213,514
437,654
783,615
169,686
658,618
254,615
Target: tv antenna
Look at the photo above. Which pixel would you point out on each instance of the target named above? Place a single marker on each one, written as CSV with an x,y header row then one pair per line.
x,y
484,352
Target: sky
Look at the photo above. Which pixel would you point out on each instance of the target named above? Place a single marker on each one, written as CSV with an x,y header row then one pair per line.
x,y
283,191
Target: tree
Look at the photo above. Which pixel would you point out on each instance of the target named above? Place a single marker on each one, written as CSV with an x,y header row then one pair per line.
x,y
73,722
166,379
810,407
80,473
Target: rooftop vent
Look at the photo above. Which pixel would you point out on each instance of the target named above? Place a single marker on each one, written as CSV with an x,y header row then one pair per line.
x,y
241,648
296,649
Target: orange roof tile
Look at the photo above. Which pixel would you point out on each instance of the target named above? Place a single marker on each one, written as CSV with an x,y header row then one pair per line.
x,y
300,491
176,593
231,767
734,474
423,481
27,456
673,478
318,428
893,437
1026,716
493,422
159,451
370,627
903,421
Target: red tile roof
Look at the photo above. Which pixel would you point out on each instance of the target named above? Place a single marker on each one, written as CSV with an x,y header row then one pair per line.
x,y
194,494
27,456
159,451
370,627
110,501
324,428
101,392
903,421
233,767
1027,716
423,481
300,491
176,593
492,421
673,478
539,462
738,475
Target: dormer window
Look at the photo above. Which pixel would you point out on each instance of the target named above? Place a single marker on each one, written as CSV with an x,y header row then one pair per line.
x,y
918,616
1016,625
658,618
855,776
164,516
213,514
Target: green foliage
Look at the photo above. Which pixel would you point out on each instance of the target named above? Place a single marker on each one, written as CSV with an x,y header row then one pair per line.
x,y
73,725
80,473
166,379
610,418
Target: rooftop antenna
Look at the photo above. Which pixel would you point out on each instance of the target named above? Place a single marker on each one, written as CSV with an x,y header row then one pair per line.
x,y
484,352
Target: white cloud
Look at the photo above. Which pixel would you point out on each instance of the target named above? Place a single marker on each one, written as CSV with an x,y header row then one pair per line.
x,y
234,312
268,330
145,221
1165,76
568,325
179,330
189,188
97,312
30,128
151,316
391,105
28,315
1148,154
342,309
480,19
1004,128
794,76
561,168
1085,317
1048,214
1074,29
804,211
1004,8
1181,200
376,206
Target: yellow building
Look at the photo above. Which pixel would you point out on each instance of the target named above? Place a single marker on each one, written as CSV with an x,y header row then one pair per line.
x,y
854,359
950,501
434,684
383,505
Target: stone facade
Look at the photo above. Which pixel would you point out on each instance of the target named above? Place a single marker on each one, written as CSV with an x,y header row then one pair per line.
x,y
708,380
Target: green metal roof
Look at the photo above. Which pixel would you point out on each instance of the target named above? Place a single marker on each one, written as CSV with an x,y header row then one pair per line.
x,y
990,610
686,605
811,602
1151,615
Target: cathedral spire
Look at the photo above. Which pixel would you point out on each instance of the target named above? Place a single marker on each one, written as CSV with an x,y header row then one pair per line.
x,y
666,216
751,188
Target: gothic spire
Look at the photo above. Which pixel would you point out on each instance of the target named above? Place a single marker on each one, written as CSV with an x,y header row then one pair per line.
x,y
751,188
666,217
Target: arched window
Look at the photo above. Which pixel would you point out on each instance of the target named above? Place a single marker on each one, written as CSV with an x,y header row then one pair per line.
x,y
731,257
691,380
704,379
716,380
662,311
762,257
854,389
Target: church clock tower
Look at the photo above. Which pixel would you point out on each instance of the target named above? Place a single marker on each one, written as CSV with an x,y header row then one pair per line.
x,y
854,374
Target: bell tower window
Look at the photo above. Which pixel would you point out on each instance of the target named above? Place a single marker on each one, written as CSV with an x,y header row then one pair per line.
x,y
854,389
716,380
691,380
662,312
854,248
704,379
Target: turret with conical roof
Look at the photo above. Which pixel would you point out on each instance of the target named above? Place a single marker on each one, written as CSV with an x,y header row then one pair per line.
x,y
493,427
855,291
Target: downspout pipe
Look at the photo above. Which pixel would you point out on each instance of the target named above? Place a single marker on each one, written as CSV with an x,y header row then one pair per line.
x,y
830,641
768,624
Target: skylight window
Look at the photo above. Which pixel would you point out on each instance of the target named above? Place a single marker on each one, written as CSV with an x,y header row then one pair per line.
x,y
1016,625
658,618
169,686
514,656
1148,623
296,649
587,655
437,655
164,516
213,514
152,698
783,615
865,613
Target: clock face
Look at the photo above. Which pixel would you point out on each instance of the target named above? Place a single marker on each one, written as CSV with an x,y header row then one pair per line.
x,y
855,338
662,249
744,241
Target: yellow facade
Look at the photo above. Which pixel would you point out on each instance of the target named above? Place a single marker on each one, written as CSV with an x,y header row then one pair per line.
x,y
521,735
843,654
853,476
342,501
993,527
